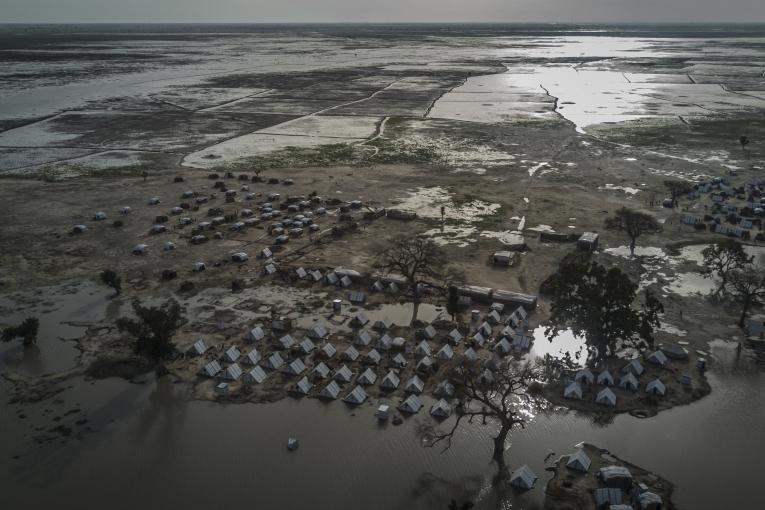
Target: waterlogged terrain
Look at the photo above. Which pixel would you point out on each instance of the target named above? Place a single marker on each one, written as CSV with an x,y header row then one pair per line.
x,y
491,135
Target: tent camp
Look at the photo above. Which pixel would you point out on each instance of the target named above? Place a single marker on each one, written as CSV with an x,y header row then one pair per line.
x,y
363,338
231,373
628,382
584,376
350,354
320,371
211,369
328,350
274,362
252,358
605,378
656,387
231,355
296,367
444,389
199,348
256,334
633,367
445,353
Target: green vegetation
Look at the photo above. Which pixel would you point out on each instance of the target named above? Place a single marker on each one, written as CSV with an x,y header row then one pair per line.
x,y
27,331
597,302
153,328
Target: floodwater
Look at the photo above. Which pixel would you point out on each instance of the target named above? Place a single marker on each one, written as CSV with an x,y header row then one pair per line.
x,y
202,454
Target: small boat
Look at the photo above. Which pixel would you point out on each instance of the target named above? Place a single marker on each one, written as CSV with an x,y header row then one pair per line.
x,y
292,444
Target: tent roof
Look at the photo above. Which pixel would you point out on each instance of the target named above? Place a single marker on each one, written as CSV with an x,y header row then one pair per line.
x,y
523,477
579,460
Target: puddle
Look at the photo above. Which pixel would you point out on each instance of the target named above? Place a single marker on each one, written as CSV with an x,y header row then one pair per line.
x,y
625,189
564,343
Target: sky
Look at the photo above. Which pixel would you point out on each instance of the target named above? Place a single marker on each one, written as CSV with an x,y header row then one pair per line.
x,y
267,11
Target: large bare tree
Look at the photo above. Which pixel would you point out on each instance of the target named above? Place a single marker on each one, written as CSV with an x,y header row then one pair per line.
x,y
634,224
422,262
497,397
748,286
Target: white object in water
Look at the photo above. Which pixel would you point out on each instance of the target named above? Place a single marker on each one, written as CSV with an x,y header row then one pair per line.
x,y
292,444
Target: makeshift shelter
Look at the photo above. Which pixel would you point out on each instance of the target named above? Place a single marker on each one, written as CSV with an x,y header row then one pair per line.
x,y
318,332
330,392
79,229
378,286
485,329
398,343
359,320
430,332
221,388
579,461
357,297
390,381
656,387
343,374
503,347
605,378
493,317
198,267
479,339
357,396
385,343
301,273
414,385
607,497
399,360
256,375
332,278
628,382
470,354
606,397
140,249
521,342
307,346
274,362
454,337
441,409
573,391
232,372
523,478
383,412
649,501
411,405
367,378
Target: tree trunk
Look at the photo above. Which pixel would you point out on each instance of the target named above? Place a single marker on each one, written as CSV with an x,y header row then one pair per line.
x,y
415,310
632,247
499,447
747,301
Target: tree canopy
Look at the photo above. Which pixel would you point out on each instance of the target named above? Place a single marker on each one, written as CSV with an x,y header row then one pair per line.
x,y
110,279
634,224
747,284
722,258
153,328
27,331
599,303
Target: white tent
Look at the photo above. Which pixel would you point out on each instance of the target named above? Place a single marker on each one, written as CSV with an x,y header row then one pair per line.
x,y
256,334
657,358
579,461
628,382
359,320
307,346
330,391
493,317
351,354
385,343
287,341
390,381
422,349
363,338
199,348
503,347
231,355
318,332
232,373
485,329
656,387
320,371
256,375
356,396
649,501
606,397
446,352
211,369
414,385
521,342
573,391
430,332
368,377
633,367
441,409
411,405
373,357
399,360
523,478
328,350
343,374
297,367
425,364
303,386
274,362
252,358
605,378
383,325
479,339
455,336
470,354
584,376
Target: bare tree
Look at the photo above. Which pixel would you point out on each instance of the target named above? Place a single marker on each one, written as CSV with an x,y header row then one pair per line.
x,y
677,188
492,396
422,262
748,285
722,258
634,224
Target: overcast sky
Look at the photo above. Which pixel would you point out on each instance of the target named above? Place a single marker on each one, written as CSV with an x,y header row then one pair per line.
x,y
380,10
